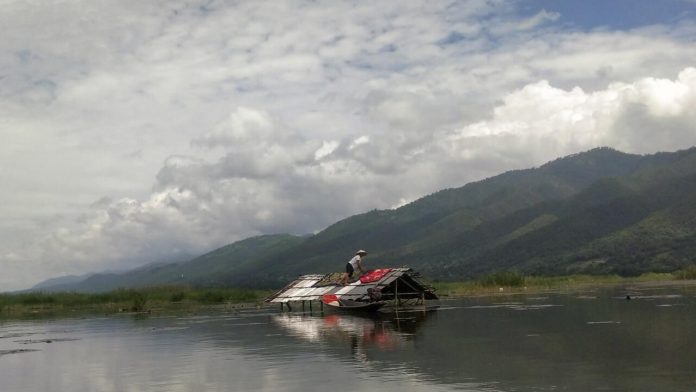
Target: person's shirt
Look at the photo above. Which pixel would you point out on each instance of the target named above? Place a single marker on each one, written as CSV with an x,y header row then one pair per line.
x,y
354,261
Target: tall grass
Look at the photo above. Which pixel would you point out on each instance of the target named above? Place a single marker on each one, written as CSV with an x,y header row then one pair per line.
x,y
136,300
688,273
512,281
502,278
221,295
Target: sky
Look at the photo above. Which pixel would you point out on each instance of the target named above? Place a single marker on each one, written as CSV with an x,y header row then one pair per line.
x,y
134,132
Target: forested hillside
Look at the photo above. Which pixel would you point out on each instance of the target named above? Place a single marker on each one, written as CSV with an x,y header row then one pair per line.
x,y
601,211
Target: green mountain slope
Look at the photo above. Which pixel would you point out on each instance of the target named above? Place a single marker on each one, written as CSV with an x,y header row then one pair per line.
x,y
217,268
601,211
501,222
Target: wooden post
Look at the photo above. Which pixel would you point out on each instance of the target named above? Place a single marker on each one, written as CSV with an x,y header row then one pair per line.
x,y
281,306
310,307
396,293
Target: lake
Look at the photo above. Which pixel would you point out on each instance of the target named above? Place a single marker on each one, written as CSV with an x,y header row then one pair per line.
x,y
591,339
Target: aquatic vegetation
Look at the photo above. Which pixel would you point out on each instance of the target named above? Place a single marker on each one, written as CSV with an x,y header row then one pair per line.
x,y
162,298
178,296
503,278
688,273
139,302
510,281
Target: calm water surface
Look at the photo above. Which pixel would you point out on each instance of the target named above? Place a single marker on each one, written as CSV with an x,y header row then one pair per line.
x,y
594,340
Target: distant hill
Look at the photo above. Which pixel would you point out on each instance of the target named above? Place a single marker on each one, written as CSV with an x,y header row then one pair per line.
x,y
601,211
211,269
54,283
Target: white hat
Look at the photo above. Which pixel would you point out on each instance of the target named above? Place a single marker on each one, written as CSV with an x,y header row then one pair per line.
x,y
361,252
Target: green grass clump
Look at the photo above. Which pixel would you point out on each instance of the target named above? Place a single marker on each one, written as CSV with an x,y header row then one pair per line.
x,y
36,299
221,295
502,279
139,302
688,273
212,297
177,296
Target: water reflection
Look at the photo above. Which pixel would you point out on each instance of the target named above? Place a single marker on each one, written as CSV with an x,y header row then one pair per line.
x,y
592,340
359,332
578,341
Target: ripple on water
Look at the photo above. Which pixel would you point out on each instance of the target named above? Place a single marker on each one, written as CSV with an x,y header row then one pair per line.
x,y
17,351
18,335
515,306
47,340
651,297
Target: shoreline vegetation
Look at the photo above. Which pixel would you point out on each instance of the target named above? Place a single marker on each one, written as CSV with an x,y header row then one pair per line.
x,y
510,282
164,299
178,299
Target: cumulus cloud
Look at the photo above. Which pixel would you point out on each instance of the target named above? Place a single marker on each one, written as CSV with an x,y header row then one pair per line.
x,y
625,116
270,180
193,125
244,125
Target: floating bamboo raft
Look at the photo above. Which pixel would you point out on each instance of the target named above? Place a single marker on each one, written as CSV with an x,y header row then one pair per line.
x,y
385,285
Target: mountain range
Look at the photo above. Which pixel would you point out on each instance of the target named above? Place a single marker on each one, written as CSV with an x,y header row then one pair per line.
x,y
596,212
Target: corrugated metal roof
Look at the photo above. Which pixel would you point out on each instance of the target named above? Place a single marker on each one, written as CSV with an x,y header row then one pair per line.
x,y
313,287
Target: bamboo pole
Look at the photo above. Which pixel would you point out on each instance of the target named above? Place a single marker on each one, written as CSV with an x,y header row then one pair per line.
x,y
396,294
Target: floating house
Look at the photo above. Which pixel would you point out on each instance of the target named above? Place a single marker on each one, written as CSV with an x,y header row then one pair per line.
x,y
374,289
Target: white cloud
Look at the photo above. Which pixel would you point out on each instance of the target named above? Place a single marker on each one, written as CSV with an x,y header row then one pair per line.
x,y
243,126
262,117
567,121
364,139
529,23
326,149
665,97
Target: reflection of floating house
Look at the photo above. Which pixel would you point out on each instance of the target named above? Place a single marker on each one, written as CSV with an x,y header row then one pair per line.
x,y
399,286
361,331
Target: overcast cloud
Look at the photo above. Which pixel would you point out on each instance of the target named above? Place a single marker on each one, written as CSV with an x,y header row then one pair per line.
x,y
134,132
